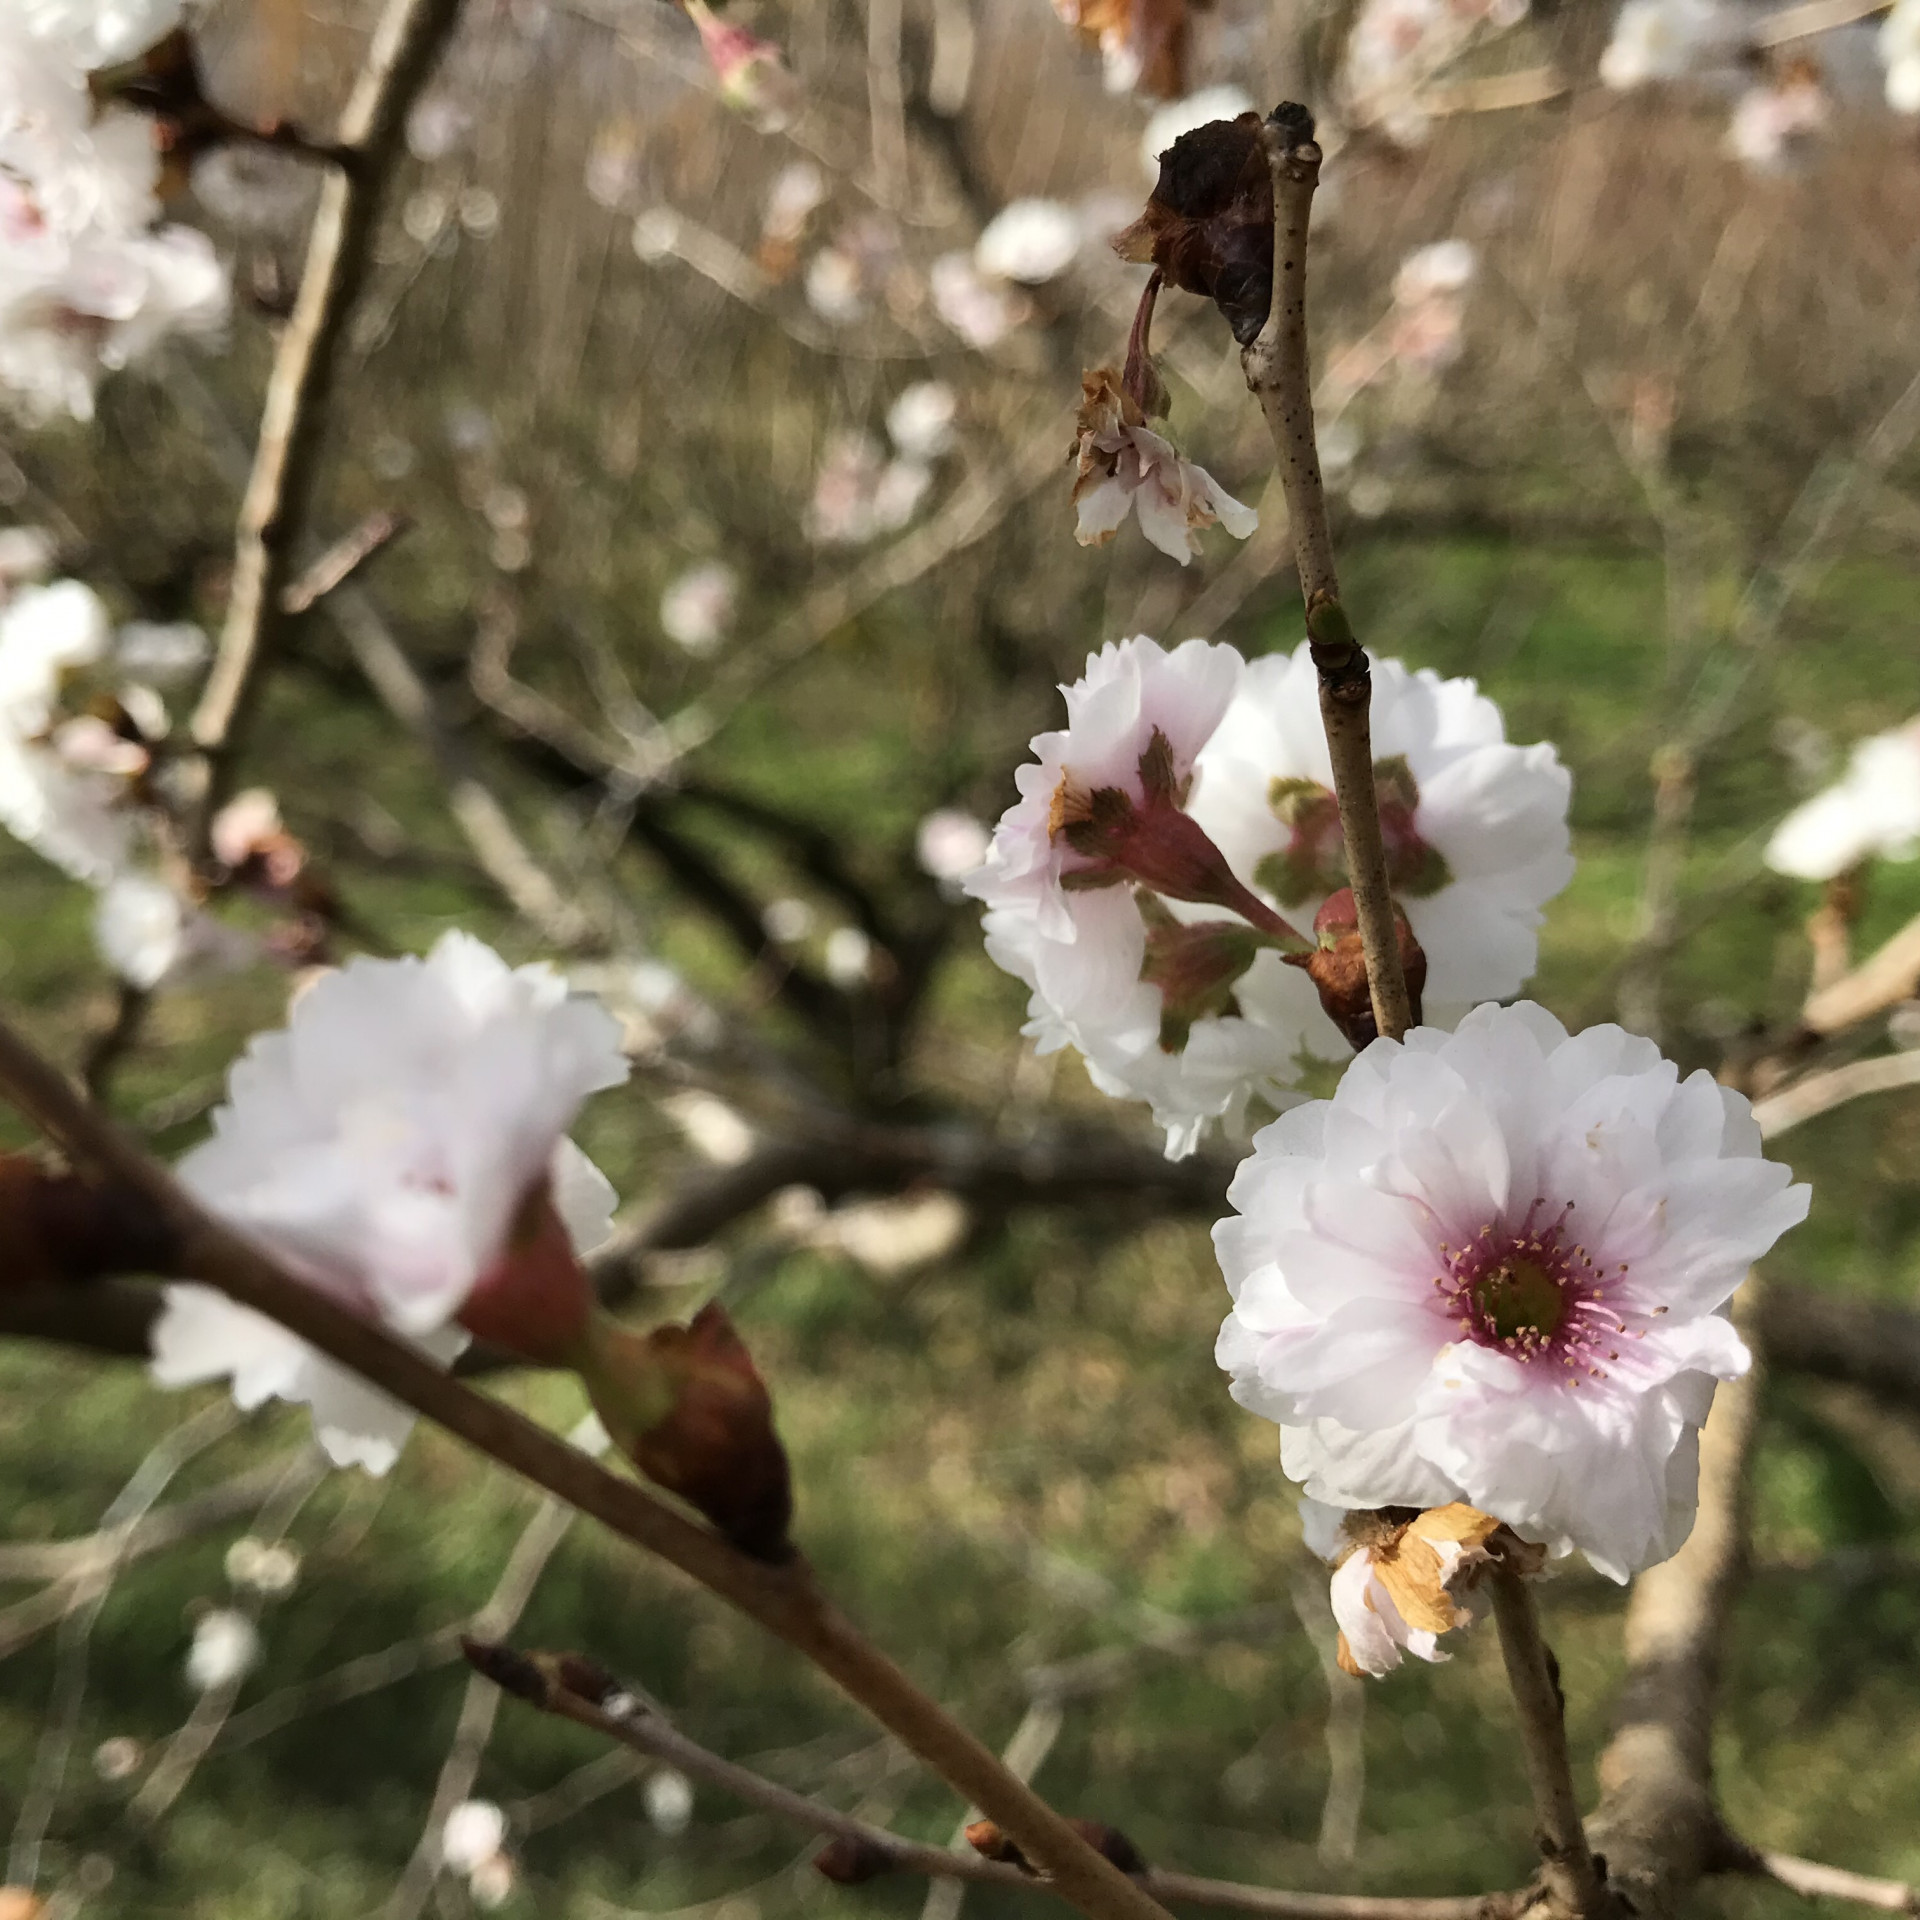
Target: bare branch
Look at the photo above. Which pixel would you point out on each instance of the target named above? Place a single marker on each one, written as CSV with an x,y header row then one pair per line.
x,y
1887,976
1815,1881
1820,1093
343,559
784,1599
542,1681
274,515
1280,378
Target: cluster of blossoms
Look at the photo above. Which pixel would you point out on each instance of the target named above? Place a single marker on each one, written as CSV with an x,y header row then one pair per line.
x,y
861,491
1871,812
89,281
1227,765
84,726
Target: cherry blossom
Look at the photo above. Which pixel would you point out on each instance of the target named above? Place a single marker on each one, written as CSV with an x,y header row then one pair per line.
x,y
1872,811
697,609
1493,1269
386,1146
1125,467
1029,241
1663,40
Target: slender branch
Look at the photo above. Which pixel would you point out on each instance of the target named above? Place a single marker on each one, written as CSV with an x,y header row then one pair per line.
x,y
1657,1822
785,1600
1888,975
274,515
543,1682
1813,1880
1820,1093
116,1039
1280,377
1568,1869
343,559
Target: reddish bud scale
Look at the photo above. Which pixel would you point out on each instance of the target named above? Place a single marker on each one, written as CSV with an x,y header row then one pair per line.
x,y
987,1839
687,1407
535,1300
1338,968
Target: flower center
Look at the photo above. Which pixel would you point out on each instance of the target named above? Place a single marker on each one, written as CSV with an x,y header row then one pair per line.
x,y
1520,1301
1526,1292
1313,860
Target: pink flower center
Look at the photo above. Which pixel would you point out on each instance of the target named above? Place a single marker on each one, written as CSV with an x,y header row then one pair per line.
x,y
1526,1292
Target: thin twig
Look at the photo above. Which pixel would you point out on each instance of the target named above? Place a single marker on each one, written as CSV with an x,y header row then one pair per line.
x,y
1816,1881
1567,1867
112,1044
1822,1092
1887,976
620,1716
1279,375
274,515
784,1599
343,559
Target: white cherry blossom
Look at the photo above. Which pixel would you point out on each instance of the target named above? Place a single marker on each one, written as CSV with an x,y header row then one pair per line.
x,y
1492,1269
1872,811
380,1146
1663,40
1028,241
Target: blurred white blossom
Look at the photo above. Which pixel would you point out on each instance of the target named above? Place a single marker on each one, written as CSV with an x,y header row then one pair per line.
x,y
1029,241
140,928
980,311
848,958
1396,48
99,33
1872,811
697,609
949,844
267,1567
474,1831
1773,124
225,1649
668,1796
920,421
1663,40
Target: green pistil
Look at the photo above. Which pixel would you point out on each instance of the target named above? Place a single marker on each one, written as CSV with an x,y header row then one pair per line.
x,y
1520,1301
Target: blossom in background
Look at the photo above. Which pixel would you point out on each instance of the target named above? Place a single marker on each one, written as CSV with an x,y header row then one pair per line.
x,y
980,311
269,1568
1123,467
1772,124
668,1797
799,189
949,844
859,493
60,792
26,556
99,33
387,1147
1166,124
1029,241
1397,47
1475,827
753,76
1898,45
88,282
1872,811
920,421
1663,40
1492,1269
225,1649
474,1831
697,610
140,928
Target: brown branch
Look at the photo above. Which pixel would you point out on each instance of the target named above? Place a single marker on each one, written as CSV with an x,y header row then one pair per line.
x,y
785,1600
279,498
1279,376
1567,1871
576,1690
343,559
1657,1822
116,1039
1857,1342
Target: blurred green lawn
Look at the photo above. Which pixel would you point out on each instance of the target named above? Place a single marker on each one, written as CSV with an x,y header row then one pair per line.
x,y
1026,1452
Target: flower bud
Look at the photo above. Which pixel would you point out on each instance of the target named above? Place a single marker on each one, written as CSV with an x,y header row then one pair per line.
x,y
687,1407
535,1300
1338,967
753,75
1196,964
986,1839
851,1862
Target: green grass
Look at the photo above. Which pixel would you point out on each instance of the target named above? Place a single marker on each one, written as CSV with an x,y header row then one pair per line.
x,y
1006,1459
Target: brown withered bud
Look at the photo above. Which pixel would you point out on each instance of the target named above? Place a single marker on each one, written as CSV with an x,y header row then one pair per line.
x,y
58,1227
987,1839
1143,42
1338,968
509,1670
1208,226
687,1407
851,1862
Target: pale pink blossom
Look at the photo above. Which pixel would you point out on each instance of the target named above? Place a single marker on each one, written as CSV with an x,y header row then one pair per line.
x,y
1493,1269
1028,241
1871,812
381,1146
